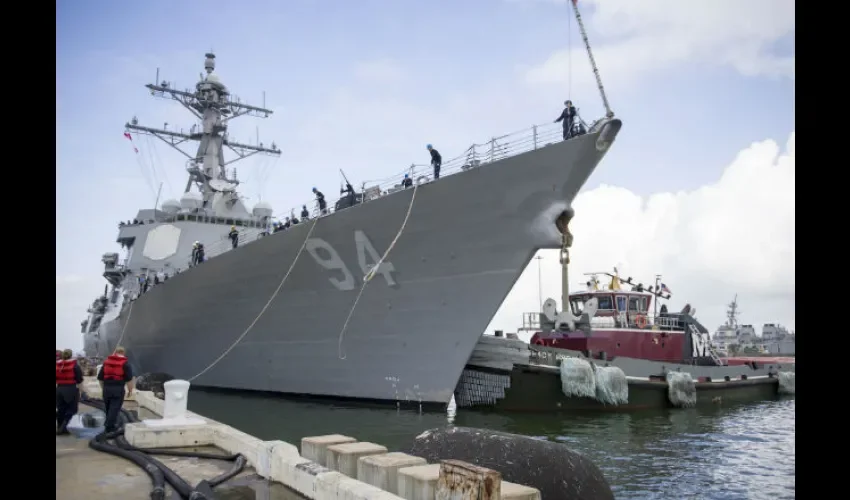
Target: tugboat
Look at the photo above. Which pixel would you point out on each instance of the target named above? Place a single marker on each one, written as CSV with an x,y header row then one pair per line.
x,y
605,350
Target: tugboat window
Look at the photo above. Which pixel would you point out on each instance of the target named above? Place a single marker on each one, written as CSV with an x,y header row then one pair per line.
x,y
621,303
605,302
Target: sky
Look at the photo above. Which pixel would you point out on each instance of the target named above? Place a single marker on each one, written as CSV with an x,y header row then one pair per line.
x,y
699,187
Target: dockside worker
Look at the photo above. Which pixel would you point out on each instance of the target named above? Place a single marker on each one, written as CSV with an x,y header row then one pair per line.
x,y
234,236
69,376
112,377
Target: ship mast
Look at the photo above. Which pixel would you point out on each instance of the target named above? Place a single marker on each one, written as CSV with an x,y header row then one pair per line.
x,y
211,103
732,313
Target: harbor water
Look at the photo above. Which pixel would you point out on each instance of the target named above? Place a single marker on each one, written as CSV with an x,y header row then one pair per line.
x,y
726,452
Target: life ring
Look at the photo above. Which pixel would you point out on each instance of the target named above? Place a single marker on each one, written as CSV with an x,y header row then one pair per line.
x,y
640,321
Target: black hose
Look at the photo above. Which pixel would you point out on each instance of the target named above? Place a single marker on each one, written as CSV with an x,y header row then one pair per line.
x,y
240,463
178,483
157,477
141,458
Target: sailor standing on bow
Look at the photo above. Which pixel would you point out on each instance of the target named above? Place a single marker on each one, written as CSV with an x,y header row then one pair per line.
x,y
567,118
436,160
320,199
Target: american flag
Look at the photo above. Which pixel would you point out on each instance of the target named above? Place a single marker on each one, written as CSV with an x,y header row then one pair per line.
x,y
665,289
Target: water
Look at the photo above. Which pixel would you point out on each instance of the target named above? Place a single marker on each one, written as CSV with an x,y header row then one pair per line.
x,y
727,452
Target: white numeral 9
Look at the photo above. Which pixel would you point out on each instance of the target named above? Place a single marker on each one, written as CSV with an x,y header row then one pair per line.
x,y
332,263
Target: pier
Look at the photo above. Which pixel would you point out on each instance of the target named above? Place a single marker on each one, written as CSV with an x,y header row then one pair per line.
x,y
326,467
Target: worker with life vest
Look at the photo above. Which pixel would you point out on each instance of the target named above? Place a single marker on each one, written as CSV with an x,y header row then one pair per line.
x,y
112,376
234,236
69,376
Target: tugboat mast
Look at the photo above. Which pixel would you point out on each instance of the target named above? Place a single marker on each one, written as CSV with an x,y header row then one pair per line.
x,y
211,103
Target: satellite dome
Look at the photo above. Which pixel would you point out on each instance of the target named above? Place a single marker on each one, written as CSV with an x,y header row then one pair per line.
x,y
170,206
262,209
191,201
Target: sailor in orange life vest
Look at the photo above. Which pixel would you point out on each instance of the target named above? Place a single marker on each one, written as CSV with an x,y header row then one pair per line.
x,y
69,376
112,377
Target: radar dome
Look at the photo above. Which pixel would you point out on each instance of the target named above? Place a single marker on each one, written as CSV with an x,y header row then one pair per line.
x,y
262,209
191,201
171,206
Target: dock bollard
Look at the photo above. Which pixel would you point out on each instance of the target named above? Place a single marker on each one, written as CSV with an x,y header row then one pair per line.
x,y
176,399
174,410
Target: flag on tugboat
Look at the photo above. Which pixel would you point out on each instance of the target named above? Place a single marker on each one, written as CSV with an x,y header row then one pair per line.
x,y
665,289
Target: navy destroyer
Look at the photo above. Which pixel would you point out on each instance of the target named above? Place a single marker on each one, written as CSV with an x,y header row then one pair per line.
x,y
383,298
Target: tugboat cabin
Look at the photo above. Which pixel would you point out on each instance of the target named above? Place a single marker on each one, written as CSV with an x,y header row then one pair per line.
x,y
622,326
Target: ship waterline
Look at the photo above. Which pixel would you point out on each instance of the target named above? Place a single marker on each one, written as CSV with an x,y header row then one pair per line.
x,y
468,238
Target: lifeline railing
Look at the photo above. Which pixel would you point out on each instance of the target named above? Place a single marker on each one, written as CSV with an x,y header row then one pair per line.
x,y
476,155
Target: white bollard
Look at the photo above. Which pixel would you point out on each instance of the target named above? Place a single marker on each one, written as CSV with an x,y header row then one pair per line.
x,y
174,411
176,399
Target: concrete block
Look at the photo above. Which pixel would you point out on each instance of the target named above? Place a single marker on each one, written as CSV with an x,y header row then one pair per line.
x,y
513,491
234,441
464,481
382,470
271,450
142,436
298,473
315,447
344,457
418,482
336,486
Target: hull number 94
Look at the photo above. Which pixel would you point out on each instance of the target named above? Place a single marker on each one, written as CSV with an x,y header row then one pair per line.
x,y
326,256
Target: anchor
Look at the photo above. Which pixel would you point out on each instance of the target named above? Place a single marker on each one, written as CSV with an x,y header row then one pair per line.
x,y
566,320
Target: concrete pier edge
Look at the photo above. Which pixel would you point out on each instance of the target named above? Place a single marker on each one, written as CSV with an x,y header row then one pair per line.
x,y
380,473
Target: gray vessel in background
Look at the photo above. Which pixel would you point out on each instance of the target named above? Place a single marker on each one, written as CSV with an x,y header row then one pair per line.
x,y
384,299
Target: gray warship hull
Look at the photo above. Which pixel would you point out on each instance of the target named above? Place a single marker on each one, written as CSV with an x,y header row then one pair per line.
x,y
468,238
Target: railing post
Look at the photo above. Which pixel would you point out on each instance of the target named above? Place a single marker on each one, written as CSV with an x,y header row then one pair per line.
x,y
535,136
492,149
474,157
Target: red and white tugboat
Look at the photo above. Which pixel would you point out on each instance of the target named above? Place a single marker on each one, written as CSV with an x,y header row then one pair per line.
x,y
612,348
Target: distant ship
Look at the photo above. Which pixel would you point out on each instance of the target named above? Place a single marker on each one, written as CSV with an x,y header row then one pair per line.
x,y
383,298
731,336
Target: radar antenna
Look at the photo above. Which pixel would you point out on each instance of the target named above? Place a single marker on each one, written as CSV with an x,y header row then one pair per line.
x,y
212,104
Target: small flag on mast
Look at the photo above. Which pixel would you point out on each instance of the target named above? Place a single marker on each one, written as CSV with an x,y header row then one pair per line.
x,y
130,138
665,289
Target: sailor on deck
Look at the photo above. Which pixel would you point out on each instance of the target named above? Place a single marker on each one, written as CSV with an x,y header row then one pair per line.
x,y
407,181
436,160
112,377
234,236
320,199
567,118
69,376
305,214
349,191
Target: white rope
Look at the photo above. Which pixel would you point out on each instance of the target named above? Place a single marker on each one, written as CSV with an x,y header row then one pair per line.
x,y
279,287
126,324
371,274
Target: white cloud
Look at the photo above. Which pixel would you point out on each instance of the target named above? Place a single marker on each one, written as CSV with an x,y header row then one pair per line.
x,y
631,38
736,236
